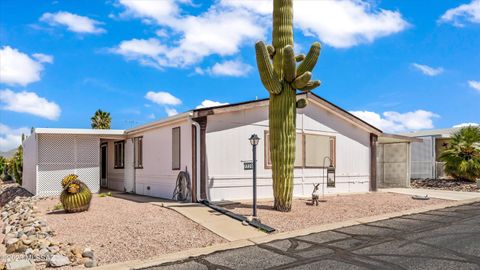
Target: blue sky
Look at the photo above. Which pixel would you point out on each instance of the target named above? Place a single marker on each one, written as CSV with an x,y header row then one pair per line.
x,y
401,65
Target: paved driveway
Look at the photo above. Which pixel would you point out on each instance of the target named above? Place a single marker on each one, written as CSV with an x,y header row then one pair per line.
x,y
441,239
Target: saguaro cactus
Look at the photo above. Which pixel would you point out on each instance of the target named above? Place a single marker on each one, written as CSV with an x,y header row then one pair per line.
x,y
282,78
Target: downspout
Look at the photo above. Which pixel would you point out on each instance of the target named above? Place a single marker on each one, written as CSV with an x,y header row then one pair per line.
x,y
197,158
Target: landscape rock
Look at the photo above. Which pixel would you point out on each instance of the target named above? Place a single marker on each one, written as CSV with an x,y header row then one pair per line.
x,y
89,263
21,265
58,260
445,184
88,253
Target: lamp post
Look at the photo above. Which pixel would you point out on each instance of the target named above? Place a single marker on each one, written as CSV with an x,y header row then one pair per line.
x,y
330,173
254,141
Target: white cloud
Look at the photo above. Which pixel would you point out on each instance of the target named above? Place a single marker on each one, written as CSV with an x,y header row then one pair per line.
x,y
466,125
427,70
29,102
151,116
340,24
11,138
162,98
210,103
474,84
73,22
17,68
398,122
43,58
228,68
218,31
463,13
171,111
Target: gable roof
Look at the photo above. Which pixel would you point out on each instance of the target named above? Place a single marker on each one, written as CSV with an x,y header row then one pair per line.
x,y
310,96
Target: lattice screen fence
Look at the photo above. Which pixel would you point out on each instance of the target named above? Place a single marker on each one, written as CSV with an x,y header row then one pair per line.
x,y
60,155
423,162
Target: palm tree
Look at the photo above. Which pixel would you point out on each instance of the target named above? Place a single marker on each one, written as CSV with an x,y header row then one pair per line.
x,y
462,157
101,120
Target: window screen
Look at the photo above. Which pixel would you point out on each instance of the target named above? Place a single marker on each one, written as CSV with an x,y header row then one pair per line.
x,y
318,147
176,148
138,152
119,154
298,150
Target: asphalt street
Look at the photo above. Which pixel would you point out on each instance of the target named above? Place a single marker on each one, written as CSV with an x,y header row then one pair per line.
x,y
442,239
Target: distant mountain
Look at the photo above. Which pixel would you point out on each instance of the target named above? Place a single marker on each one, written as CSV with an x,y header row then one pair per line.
x,y
8,154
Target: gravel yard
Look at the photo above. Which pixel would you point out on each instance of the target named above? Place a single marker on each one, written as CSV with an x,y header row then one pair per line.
x,y
445,184
121,230
335,209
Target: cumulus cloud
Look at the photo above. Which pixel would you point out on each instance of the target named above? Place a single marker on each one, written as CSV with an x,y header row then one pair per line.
x,y
185,39
228,68
474,84
162,98
17,68
73,22
29,102
466,125
398,122
210,103
11,138
340,24
464,13
171,111
427,70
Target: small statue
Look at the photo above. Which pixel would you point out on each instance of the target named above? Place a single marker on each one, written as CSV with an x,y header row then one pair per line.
x,y
315,194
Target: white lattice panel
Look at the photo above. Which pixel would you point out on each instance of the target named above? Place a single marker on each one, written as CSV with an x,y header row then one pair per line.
x,y
60,155
56,149
423,163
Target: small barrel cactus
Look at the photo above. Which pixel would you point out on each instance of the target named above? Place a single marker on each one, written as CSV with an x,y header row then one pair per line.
x,y
76,196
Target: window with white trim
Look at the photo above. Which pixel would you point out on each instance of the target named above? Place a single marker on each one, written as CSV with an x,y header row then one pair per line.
x,y
119,154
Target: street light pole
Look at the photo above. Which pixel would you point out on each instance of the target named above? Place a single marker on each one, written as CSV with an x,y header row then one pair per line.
x,y
254,141
254,150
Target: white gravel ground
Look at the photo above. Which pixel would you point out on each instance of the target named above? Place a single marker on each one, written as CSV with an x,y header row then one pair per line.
x,y
335,209
121,230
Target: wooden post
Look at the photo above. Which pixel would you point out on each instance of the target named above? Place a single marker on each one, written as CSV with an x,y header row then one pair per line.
x,y
373,162
202,121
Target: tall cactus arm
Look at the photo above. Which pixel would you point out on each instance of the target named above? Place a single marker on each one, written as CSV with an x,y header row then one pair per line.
x,y
271,51
310,60
302,80
300,57
265,68
310,86
289,64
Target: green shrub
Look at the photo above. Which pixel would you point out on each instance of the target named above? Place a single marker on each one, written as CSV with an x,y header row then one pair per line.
x,y
462,157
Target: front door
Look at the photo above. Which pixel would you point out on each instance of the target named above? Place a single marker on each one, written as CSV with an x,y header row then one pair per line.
x,y
103,165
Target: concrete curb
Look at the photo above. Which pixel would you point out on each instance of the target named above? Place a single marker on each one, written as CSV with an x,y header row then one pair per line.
x,y
181,255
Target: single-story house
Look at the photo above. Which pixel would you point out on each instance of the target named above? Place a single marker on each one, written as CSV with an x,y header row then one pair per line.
x,y
425,161
212,146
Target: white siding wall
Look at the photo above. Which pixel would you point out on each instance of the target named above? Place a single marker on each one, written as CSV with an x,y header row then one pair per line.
x,y
29,176
60,155
115,176
157,178
227,145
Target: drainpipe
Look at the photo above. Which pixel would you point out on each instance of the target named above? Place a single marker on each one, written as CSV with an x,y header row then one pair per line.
x,y
197,159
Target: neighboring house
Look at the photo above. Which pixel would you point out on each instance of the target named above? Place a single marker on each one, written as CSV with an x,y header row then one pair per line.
x,y
212,145
425,161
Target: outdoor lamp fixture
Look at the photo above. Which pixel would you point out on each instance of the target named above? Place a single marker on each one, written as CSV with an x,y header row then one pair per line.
x,y
254,139
330,175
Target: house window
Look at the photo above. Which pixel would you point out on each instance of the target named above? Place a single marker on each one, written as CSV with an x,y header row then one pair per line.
x,y
317,147
310,150
176,148
119,154
138,152
298,151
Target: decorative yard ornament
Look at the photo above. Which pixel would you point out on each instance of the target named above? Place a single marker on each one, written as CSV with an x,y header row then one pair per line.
x,y
282,79
76,196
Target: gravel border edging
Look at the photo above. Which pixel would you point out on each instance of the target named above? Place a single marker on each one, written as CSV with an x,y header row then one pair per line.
x,y
139,264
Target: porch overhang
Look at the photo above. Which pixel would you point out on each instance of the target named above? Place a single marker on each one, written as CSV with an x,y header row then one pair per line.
x,y
394,138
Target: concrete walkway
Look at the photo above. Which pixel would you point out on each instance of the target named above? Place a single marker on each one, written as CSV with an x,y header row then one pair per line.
x,y
214,221
439,194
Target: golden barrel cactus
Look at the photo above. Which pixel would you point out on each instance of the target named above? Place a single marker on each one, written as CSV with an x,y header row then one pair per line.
x,y
76,196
